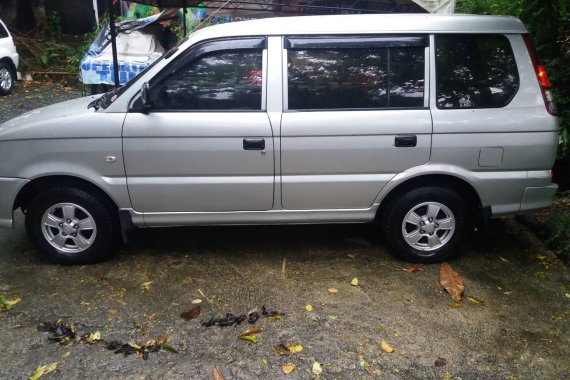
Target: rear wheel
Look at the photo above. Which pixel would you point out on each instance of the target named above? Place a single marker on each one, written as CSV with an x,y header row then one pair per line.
x,y
425,224
71,226
7,79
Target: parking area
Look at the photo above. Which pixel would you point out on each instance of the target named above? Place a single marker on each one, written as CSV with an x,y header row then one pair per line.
x,y
513,322
520,330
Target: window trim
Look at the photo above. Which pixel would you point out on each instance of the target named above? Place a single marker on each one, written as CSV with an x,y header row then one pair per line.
x,y
510,47
325,42
355,41
207,47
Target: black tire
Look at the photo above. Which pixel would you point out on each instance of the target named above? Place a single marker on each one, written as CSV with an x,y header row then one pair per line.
x,y
68,239
425,250
9,80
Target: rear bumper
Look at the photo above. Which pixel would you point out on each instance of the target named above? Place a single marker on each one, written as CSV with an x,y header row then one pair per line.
x,y
9,188
535,198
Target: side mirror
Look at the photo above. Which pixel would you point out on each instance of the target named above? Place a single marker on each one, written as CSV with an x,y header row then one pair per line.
x,y
145,96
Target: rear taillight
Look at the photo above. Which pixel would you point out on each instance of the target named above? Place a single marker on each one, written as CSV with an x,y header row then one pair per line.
x,y
545,85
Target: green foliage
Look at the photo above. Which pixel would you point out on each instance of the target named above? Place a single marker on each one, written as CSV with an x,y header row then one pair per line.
x,y
54,25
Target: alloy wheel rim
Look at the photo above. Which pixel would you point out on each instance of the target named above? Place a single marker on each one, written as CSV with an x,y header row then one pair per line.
x,y
5,79
428,226
68,227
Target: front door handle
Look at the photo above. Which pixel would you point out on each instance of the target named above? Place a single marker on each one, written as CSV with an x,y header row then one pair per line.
x,y
254,144
405,141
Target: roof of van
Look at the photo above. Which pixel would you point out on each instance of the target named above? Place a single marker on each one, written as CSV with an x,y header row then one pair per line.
x,y
367,23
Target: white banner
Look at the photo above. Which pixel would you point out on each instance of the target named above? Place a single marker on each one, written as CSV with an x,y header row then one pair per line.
x,y
437,6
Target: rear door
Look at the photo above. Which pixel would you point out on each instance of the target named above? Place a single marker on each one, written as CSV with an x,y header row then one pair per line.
x,y
206,143
356,114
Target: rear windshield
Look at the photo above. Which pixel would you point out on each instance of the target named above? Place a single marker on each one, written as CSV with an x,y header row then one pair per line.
x,y
474,71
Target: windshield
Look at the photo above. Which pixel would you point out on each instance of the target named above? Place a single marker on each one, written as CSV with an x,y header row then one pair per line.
x,y
109,97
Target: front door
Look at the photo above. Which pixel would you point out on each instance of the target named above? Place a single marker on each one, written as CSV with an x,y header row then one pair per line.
x,y
205,144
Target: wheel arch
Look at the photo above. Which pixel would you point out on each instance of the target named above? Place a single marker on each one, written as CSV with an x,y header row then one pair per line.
x,y
35,186
461,186
11,64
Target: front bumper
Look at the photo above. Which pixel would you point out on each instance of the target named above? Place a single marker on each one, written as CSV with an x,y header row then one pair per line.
x,y
535,198
9,188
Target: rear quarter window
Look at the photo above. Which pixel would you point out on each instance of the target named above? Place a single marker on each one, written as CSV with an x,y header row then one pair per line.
x,y
474,71
3,32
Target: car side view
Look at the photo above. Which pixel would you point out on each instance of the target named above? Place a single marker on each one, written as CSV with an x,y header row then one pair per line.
x,y
9,59
429,124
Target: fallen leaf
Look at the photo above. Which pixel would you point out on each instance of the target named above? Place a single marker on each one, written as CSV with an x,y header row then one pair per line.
x,y
354,282
196,301
317,369
6,305
295,348
557,317
264,361
333,290
567,295
451,281
249,338
351,256
284,268
281,350
507,293
332,317
541,257
447,375
440,362
475,300
457,305
66,354
43,370
253,330
146,285
194,312
288,367
412,269
93,337
309,307
275,317
503,259
218,375
386,347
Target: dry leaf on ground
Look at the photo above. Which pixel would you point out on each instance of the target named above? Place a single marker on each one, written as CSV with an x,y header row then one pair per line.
x,y
288,367
386,347
253,330
218,375
451,281
440,362
354,282
194,312
249,338
43,370
146,285
317,369
309,307
295,348
475,300
412,269
333,290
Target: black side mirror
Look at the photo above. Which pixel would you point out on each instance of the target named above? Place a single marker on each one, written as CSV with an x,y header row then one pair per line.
x,y
145,96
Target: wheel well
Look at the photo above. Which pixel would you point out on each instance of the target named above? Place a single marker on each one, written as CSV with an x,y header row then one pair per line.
x,y
10,63
34,187
463,188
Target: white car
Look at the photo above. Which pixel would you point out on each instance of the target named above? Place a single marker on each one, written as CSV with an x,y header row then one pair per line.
x,y
8,61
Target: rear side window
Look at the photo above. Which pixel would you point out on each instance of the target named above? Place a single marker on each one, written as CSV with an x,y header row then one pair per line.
x,y
474,71
3,32
355,78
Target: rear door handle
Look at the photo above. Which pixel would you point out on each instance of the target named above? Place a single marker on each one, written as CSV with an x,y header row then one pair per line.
x,y
253,144
405,141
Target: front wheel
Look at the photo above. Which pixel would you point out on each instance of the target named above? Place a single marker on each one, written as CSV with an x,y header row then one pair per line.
x,y
425,225
71,226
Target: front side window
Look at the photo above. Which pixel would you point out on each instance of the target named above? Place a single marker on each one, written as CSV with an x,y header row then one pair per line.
x,y
3,31
355,78
474,71
221,80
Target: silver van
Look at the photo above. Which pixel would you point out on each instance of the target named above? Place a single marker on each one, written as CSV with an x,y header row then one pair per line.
x,y
429,124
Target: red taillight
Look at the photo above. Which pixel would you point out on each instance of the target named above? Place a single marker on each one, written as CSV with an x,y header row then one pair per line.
x,y
542,77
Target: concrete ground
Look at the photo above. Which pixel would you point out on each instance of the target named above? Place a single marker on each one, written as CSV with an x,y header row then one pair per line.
x,y
521,331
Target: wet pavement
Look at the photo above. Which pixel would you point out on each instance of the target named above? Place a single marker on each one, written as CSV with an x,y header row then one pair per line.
x,y
520,331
